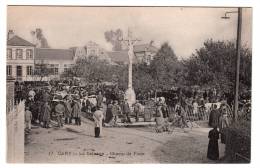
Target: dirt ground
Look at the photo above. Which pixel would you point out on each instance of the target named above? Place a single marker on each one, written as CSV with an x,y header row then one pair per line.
x,y
76,144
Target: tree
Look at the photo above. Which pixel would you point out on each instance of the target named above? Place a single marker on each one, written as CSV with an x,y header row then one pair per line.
x,y
114,37
165,68
214,65
40,40
41,70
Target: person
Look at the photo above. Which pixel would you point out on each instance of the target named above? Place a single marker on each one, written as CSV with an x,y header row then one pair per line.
x,y
116,110
60,110
99,99
126,111
195,109
159,116
28,119
76,110
109,115
182,114
214,116
137,110
46,115
68,110
213,150
98,118
223,122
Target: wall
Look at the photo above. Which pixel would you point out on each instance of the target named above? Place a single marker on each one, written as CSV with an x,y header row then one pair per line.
x,y
15,126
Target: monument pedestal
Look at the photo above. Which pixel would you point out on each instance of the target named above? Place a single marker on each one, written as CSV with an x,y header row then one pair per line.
x,y
130,96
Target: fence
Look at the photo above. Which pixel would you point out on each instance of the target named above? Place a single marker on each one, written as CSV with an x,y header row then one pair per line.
x,y
15,134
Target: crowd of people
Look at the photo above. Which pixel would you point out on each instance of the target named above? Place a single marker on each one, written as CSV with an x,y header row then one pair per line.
x,y
65,104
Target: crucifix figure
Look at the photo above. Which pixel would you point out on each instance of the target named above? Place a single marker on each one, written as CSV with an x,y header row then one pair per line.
x,y
130,94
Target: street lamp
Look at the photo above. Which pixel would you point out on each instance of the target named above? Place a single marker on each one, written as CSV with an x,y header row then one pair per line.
x,y
238,48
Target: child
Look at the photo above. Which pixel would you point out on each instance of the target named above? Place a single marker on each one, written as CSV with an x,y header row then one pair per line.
x,y
28,118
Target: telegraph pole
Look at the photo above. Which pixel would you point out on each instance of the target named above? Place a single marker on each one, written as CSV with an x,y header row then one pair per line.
x,y
238,49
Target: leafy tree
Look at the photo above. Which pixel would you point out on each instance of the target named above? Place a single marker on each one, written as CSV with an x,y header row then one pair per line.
x,y
114,37
214,64
41,41
165,68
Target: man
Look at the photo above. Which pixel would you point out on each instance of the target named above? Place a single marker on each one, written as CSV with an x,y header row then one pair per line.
x,y
68,110
137,110
60,110
98,118
28,119
214,116
109,115
223,122
126,111
46,114
99,99
76,110
116,110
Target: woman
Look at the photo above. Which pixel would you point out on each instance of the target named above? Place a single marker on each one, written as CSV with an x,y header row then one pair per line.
x,y
213,150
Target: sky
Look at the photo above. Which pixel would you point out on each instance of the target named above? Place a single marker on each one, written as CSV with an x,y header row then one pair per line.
x,y
184,28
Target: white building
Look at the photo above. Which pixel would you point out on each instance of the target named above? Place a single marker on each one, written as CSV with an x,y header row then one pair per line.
x,y
56,60
20,58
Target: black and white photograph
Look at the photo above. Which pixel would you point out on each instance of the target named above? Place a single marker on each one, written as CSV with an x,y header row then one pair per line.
x,y
128,84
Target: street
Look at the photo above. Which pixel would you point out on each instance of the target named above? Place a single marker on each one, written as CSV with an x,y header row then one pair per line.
x,y
76,144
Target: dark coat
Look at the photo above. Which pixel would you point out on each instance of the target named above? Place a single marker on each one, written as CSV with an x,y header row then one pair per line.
x,y
213,150
46,112
126,108
76,110
109,114
214,118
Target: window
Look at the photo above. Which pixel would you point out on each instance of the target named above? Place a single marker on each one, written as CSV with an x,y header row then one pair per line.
x,y
29,54
9,70
19,71
29,70
9,54
54,68
19,54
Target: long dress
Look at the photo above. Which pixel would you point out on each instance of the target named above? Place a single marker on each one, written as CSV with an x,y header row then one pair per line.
x,y
213,150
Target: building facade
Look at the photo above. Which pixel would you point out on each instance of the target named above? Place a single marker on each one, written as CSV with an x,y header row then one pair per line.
x,y
56,61
20,58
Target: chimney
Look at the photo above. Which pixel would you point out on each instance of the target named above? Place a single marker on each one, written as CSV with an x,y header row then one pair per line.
x,y
10,34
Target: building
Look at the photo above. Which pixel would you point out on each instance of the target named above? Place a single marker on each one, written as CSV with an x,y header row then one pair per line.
x,y
91,49
144,53
55,60
20,58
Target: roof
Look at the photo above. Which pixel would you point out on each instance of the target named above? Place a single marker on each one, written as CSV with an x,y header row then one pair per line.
x,y
145,47
18,41
119,56
53,54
